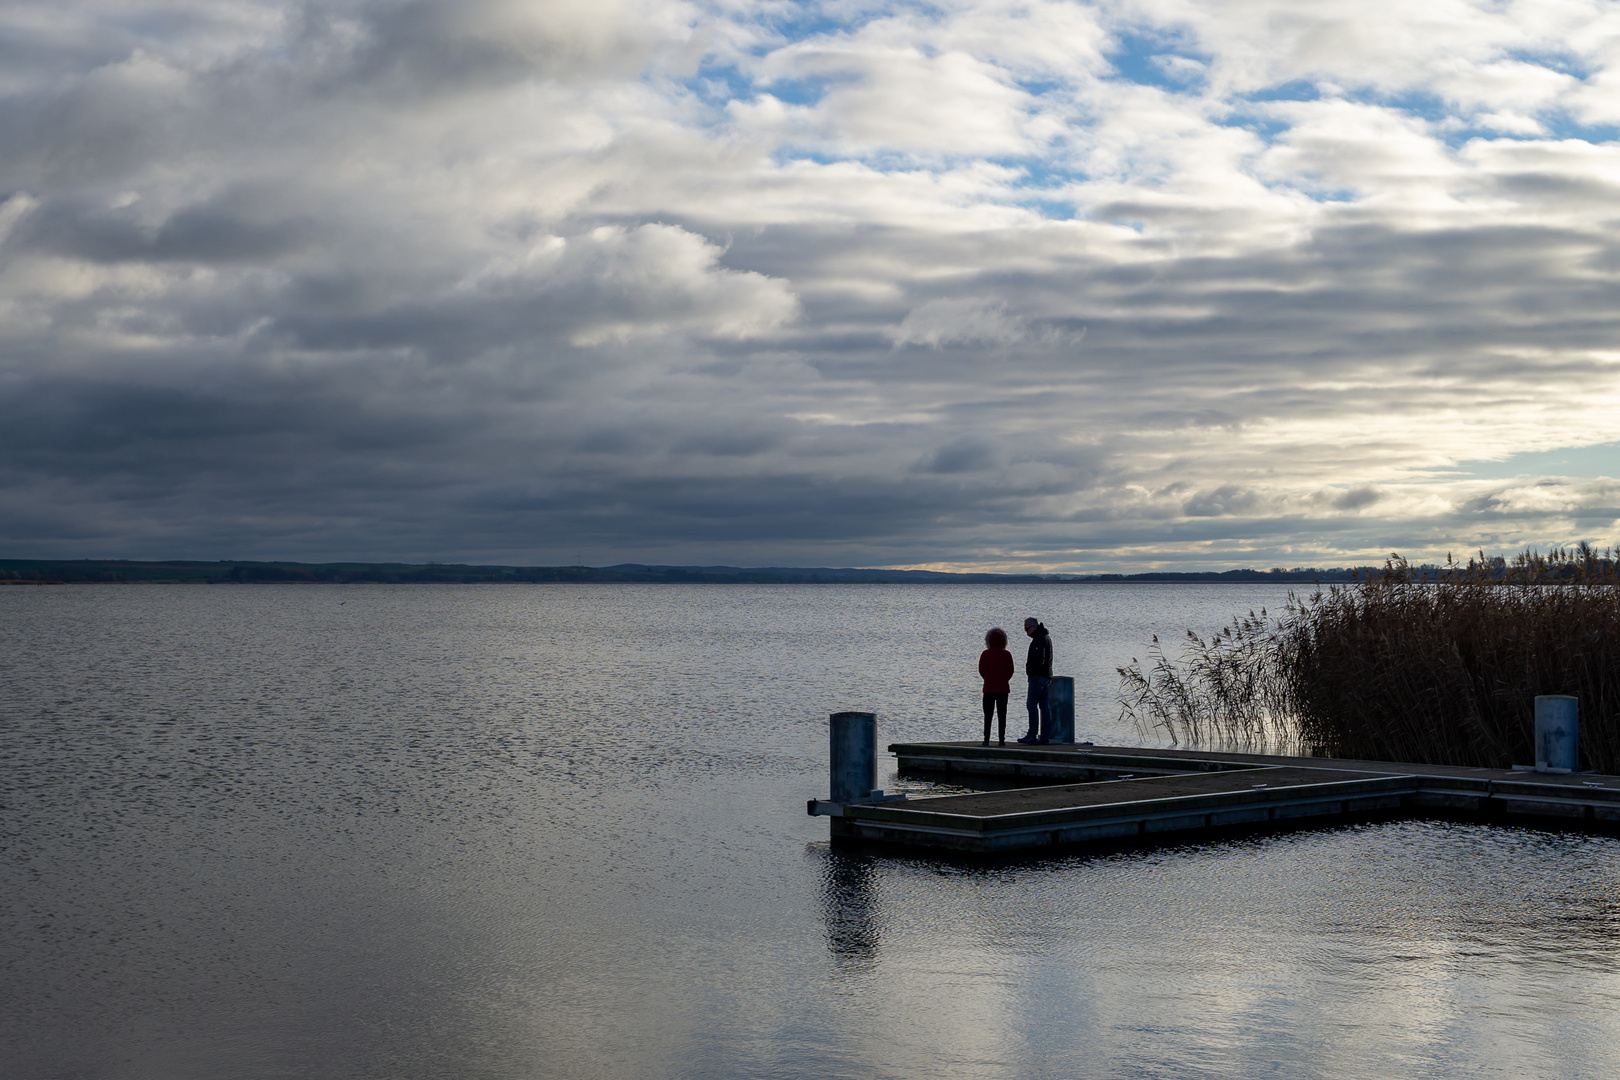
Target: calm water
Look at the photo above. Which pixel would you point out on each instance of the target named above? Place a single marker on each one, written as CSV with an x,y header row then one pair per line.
x,y
559,831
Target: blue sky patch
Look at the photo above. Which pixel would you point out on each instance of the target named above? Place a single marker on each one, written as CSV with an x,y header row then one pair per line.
x,y
1563,126
717,84
1294,90
801,91
1145,59
1578,462
799,22
1041,173
1565,63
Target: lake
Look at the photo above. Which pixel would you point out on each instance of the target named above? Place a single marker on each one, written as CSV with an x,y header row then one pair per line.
x,y
539,831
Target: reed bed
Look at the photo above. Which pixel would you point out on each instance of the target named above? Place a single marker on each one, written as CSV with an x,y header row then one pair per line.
x,y
1436,666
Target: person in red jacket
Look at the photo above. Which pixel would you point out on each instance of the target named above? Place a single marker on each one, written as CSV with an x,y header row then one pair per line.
x,y
996,668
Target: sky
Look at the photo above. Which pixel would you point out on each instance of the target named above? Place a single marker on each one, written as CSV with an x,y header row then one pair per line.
x,y
1067,287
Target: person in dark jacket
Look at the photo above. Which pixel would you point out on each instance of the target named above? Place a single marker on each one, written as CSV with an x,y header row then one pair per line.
x,y
1038,669
996,668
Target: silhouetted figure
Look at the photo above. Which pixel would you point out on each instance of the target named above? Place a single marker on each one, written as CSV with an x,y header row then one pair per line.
x,y
996,668
1038,669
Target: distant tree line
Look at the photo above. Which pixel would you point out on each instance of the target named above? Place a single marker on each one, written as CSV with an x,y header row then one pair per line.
x,y
42,571
25,571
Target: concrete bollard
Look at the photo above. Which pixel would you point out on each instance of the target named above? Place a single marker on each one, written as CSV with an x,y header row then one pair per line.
x,y
1060,697
1557,733
852,739
852,760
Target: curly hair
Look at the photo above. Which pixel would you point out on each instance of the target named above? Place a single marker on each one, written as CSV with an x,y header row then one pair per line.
x,y
996,638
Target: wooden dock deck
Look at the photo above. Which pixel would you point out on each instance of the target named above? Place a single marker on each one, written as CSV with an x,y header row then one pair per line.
x,y
1127,795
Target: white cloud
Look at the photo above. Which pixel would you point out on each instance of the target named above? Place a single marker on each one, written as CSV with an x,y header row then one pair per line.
x,y
657,279
948,322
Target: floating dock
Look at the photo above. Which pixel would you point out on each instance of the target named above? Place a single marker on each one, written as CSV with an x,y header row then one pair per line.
x,y
1096,795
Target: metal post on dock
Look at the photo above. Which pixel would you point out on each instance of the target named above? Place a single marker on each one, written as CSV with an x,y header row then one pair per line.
x,y
852,745
852,761
1060,699
1557,733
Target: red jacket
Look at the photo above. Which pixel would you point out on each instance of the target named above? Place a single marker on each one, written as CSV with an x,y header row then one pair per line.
x,y
996,665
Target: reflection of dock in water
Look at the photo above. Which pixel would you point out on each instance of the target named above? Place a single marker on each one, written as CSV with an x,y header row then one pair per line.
x,y
1125,796
849,903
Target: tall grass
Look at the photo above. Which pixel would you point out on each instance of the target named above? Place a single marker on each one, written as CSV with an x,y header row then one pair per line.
x,y
1438,667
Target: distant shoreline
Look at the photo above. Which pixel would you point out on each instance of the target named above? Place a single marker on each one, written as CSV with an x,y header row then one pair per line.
x,y
125,571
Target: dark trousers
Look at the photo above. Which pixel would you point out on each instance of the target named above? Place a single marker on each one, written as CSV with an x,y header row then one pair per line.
x,y
995,703
1040,708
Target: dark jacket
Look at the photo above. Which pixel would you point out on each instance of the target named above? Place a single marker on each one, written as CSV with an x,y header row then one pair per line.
x,y
996,665
1039,661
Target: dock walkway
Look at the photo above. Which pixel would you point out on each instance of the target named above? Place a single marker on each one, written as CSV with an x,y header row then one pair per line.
x,y
1126,795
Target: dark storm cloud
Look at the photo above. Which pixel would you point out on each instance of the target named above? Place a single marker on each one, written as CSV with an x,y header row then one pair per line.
x,y
217,233
970,453
1357,499
1227,500
422,45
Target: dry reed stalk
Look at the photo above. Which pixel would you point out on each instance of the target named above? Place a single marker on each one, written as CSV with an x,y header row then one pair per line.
x,y
1402,667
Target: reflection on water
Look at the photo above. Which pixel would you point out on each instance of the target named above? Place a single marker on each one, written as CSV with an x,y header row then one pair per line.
x,y
559,831
849,901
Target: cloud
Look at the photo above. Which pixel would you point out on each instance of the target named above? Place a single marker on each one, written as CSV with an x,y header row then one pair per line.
x,y
970,453
1224,501
947,321
616,283
1102,284
1357,498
